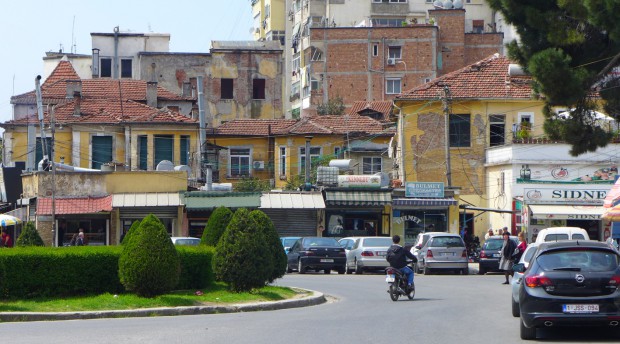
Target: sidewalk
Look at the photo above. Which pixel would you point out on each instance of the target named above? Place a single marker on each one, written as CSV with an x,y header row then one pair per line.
x,y
315,299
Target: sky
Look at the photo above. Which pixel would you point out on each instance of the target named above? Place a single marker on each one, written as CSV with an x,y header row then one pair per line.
x,y
30,28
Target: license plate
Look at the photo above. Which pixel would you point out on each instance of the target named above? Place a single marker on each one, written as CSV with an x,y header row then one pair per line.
x,y
496,255
327,260
580,308
448,254
381,253
389,278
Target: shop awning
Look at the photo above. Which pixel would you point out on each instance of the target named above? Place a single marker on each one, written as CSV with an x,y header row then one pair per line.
x,y
612,214
207,200
146,199
425,202
74,205
613,195
285,200
358,198
566,212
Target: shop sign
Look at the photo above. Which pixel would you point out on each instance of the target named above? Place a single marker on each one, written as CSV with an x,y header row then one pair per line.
x,y
401,219
421,190
564,196
359,181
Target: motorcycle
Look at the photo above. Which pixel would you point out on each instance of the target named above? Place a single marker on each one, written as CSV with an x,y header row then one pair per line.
x,y
398,284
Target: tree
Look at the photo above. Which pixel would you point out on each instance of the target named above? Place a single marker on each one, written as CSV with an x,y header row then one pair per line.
x,y
334,106
132,230
272,243
252,184
570,48
218,221
149,264
240,258
29,236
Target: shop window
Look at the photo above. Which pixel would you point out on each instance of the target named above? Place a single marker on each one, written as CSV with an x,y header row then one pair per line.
x,y
95,231
239,162
226,88
460,131
371,165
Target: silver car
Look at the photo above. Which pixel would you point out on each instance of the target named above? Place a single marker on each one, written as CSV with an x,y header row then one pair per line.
x,y
526,257
444,251
368,253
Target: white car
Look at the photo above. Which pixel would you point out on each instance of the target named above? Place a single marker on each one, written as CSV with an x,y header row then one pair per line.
x,y
187,241
366,253
526,257
562,233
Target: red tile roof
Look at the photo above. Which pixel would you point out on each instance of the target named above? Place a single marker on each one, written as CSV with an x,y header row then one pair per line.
x,y
383,107
109,111
254,127
485,79
74,205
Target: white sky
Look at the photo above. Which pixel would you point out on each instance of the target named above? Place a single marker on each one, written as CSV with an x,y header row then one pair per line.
x,y
32,27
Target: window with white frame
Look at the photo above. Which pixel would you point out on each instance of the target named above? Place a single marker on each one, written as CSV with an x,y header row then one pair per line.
x,y
296,63
387,22
371,164
395,52
375,50
239,162
283,161
390,1
526,117
392,86
315,153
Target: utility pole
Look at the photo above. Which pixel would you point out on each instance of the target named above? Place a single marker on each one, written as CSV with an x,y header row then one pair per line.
x,y
446,100
53,167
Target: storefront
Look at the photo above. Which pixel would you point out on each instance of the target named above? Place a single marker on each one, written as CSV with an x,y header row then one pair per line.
x,y
295,213
355,212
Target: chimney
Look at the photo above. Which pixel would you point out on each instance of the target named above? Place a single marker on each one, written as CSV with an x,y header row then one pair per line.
x,y
77,108
151,94
73,86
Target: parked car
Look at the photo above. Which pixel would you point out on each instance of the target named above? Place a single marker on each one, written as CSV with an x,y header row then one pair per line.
x,y
316,253
526,257
562,233
366,253
490,253
421,241
187,241
287,242
347,243
570,283
445,251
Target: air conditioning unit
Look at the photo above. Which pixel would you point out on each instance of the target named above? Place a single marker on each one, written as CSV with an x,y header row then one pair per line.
x,y
259,165
391,61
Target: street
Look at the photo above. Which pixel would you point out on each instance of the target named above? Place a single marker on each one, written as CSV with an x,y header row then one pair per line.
x,y
446,309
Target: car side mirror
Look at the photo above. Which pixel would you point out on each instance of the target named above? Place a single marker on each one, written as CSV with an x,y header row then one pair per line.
x,y
520,267
418,247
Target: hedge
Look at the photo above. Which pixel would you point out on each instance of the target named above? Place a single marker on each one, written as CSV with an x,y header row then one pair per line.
x,y
84,270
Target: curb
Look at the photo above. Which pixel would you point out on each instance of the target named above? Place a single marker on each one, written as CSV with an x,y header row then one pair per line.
x,y
316,298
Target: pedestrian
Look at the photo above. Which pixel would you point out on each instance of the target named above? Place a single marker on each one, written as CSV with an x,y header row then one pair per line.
x,y
7,241
505,262
516,256
505,230
79,241
489,234
73,239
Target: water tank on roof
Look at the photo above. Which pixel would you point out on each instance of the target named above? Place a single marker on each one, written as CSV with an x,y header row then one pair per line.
x,y
165,165
183,168
343,164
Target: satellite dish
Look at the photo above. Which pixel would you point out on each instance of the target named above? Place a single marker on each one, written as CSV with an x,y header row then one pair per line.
x,y
438,4
165,165
458,4
447,4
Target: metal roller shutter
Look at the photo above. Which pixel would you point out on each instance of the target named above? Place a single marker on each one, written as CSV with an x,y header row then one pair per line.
x,y
141,212
293,222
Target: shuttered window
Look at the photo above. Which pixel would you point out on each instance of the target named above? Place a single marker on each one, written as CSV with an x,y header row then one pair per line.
x,y
163,148
39,150
102,151
143,154
184,151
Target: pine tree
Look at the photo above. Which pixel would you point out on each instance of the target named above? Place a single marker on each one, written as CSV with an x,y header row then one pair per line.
x,y
216,226
29,236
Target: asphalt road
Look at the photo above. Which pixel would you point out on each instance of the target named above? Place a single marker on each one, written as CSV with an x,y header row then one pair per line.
x,y
446,309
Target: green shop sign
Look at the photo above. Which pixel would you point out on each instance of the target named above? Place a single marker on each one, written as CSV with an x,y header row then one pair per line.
x,y
421,190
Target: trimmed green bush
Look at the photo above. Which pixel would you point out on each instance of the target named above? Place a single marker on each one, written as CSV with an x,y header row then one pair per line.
x,y
134,227
196,272
272,243
29,236
216,226
241,259
149,264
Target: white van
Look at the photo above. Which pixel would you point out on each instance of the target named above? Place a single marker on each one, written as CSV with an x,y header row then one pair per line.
x,y
562,233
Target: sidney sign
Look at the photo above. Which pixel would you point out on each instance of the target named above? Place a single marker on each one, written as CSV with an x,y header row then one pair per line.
x,y
564,196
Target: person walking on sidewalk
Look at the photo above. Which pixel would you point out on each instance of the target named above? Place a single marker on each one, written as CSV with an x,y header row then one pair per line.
x,y
505,263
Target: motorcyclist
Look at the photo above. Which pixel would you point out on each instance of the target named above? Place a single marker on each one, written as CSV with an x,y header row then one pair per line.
x,y
397,257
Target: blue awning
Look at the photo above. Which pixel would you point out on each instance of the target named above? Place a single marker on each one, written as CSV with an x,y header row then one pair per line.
x,y
425,202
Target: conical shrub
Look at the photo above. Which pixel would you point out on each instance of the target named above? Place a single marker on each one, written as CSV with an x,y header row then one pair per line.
x,y
149,264
272,243
216,226
241,259
29,236
133,229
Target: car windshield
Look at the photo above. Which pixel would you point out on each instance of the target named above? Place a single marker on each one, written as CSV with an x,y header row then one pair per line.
x,y
579,260
377,242
190,242
493,244
556,237
578,237
447,241
321,242
288,242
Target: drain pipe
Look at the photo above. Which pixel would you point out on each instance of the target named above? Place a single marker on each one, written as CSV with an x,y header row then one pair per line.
x,y
115,63
203,164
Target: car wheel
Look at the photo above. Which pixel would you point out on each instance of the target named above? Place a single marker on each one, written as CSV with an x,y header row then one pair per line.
x,y
482,271
527,333
288,268
358,269
427,270
341,271
465,271
327,271
347,269
515,308
300,268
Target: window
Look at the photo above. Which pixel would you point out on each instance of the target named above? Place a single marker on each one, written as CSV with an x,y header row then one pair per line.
x,y
315,153
164,147
126,68
375,50
371,165
392,1
338,153
143,152
497,127
105,70
184,150
296,63
526,117
460,133
283,161
101,151
258,89
391,22
315,84
239,162
226,89
39,150
392,86
394,52
295,89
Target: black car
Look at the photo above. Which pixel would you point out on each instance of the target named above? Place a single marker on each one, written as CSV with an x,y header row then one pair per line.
x,y
490,253
570,283
316,253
